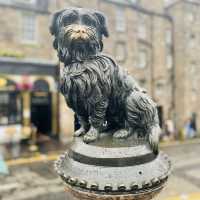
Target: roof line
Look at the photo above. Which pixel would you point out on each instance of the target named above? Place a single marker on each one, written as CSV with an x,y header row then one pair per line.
x,y
141,9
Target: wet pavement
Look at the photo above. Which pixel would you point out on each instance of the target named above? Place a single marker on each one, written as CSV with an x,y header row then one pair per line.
x,y
36,179
184,183
25,149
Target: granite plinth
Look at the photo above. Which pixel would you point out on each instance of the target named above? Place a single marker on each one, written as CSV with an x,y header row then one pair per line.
x,y
113,169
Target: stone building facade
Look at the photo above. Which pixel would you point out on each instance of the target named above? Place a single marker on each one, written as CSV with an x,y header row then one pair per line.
x,y
157,45
28,71
186,37
24,29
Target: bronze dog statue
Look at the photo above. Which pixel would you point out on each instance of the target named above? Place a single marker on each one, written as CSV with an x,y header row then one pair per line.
x,y
101,93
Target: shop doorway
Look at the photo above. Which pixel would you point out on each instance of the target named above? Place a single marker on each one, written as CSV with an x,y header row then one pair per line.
x,y
41,113
41,109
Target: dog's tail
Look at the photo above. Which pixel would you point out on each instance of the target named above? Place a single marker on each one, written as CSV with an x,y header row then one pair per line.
x,y
142,113
153,138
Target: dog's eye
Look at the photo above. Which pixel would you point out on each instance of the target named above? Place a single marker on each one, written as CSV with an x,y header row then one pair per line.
x,y
91,23
69,19
88,21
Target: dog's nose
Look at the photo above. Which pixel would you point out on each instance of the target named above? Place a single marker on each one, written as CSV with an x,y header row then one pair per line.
x,y
80,31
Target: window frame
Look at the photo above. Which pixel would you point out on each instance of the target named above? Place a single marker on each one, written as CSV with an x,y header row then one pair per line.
x,y
33,28
142,31
123,45
169,55
190,16
120,19
146,59
168,36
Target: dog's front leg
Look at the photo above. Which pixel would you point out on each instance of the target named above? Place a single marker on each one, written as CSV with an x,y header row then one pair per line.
x,y
97,119
84,126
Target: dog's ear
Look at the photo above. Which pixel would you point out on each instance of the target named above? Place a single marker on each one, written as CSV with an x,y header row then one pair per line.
x,y
102,22
54,27
55,23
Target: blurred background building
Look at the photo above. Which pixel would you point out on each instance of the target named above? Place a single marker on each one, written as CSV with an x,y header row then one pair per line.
x,y
157,41
28,71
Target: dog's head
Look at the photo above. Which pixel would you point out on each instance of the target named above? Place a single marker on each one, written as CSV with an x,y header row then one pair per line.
x,y
78,34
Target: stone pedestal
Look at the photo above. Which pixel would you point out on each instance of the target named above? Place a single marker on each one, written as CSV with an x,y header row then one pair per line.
x,y
113,169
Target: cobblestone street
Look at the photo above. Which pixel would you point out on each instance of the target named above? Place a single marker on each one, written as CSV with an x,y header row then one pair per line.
x,y
37,180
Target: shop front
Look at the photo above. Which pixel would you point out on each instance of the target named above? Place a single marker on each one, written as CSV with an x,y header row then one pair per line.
x,y
10,116
28,98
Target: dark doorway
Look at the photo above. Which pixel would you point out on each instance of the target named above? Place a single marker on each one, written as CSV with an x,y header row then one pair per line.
x,y
160,115
41,113
41,86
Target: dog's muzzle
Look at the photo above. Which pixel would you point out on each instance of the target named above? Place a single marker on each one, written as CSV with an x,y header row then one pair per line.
x,y
77,32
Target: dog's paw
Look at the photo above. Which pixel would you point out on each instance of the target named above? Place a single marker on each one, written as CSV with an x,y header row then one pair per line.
x,y
91,135
81,131
122,133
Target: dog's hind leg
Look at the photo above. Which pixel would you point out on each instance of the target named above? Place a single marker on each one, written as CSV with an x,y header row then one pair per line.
x,y
122,133
142,113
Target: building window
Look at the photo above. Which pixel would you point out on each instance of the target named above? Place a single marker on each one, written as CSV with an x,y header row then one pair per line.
x,y
190,17
142,82
168,37
192,40
120,51
159,85
10,108
195,80
142,32
142,59
169,61
120,19
192,69
29,28
159,88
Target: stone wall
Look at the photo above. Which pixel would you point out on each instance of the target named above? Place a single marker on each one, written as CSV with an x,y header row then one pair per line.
x,y
12,42
186,55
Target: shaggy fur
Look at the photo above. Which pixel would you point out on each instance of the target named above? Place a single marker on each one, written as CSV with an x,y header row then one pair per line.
x,y
101,93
